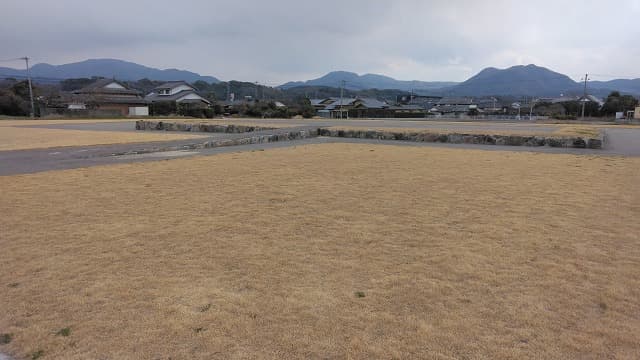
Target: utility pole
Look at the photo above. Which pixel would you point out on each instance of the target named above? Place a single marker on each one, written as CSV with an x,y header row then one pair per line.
x,y
33,108
584,97
531,105
256,98
341,96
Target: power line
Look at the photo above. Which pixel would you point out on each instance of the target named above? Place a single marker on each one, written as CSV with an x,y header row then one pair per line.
x,y
616,77
8,60
17,76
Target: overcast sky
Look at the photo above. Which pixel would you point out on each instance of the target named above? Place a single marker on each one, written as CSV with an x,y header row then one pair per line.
x,y
277,41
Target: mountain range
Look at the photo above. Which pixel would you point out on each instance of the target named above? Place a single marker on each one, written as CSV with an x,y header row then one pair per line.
x,y
521,80
353,81
527,80
108,68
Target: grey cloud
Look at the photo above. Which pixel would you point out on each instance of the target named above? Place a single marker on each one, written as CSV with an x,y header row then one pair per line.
x,y
276,41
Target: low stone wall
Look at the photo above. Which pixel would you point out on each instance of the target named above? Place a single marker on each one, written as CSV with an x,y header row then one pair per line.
x,y
458,138
453,138
197,127
256,139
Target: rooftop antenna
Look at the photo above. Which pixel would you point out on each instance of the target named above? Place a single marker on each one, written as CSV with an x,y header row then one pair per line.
x,y
33,108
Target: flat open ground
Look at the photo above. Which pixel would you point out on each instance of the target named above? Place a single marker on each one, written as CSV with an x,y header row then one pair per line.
x,y
15,136
325,251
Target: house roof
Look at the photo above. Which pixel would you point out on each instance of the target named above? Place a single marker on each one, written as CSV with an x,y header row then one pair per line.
x,y
452,108
177,96
369,103
100,87
85,98
372,103
591,98
173,84
335,103
407,107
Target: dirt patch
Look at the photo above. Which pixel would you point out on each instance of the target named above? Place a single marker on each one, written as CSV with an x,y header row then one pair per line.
x,y
325,251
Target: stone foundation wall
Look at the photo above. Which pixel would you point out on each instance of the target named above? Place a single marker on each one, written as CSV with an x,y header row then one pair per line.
x,y
256,139
453,138
457,138
201,127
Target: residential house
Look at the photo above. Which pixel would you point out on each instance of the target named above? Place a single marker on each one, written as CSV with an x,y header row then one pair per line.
x,y
409,110
454,106
107,97
591,98
335,107
179,92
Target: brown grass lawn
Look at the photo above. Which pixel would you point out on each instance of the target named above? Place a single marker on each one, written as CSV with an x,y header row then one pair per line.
x,y
29,122
20,138
325,251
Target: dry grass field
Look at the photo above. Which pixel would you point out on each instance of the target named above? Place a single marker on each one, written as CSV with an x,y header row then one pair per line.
x,y
30,122
21,138
325,251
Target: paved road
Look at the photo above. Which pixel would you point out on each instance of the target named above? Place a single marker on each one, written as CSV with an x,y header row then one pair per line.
x,y
624,142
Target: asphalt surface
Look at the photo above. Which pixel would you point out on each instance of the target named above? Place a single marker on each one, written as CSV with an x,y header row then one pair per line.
x,y
620,141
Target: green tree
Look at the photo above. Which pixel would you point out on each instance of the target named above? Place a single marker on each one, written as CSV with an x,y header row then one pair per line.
x,y
618,103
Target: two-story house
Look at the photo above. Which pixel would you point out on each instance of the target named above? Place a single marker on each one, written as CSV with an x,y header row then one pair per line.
x,y
179,92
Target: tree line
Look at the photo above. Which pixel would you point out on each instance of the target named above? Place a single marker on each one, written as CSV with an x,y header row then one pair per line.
x,y
14,99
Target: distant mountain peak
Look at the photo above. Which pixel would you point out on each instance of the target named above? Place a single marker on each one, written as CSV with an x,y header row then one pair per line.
x,y
353,81
518,80
108,68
